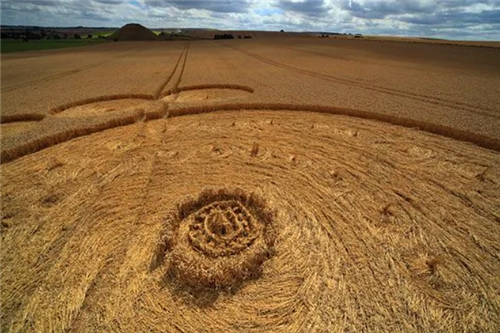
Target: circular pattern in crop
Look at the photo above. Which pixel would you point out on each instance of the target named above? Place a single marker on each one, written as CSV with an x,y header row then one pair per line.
x,y
220,238
222,228
368,214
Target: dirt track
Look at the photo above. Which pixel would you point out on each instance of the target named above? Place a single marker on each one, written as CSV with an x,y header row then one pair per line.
x,y
378,226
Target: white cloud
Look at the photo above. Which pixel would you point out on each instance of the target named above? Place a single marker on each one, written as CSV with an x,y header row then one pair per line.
x,y
459,19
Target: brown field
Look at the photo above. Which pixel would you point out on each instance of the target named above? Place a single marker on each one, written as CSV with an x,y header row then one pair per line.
x,y
493,44
263,185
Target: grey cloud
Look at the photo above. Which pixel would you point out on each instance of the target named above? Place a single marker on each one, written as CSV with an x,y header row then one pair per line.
x,y
381,9
38,2
439,18
424,20
34,5
454,18
219,6
464,3
56,13
307,7
483,17
439,13
109,2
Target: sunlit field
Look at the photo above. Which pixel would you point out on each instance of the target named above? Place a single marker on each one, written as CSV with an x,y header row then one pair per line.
x,y
251,185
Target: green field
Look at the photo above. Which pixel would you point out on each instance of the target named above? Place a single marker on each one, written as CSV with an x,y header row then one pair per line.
x,y
12,45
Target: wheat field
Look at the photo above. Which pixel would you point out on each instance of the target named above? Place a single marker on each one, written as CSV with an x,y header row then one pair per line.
x,y
264,185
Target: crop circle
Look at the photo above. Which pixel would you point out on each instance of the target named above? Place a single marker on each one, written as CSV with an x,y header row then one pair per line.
x,y
220,238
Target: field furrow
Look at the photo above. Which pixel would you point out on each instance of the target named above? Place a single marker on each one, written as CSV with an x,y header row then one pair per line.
x,y
135,77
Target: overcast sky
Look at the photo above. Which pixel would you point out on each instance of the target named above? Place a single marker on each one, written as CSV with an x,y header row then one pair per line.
x,y
454,19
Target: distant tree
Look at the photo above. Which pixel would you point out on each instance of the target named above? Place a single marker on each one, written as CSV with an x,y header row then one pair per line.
x,y
89,36
223,36
282,30
77,36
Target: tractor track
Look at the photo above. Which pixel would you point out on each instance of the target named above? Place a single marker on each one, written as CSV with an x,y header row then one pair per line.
x,y
176,85
182,58
156,95
66,73
394,92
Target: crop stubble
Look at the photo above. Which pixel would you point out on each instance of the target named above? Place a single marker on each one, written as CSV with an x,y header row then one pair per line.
x,y
377,226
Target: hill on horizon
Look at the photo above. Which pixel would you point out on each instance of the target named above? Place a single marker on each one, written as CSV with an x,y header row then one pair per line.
x,y
133,32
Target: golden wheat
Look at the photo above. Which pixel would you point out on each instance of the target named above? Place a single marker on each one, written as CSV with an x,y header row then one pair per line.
x,y
302,185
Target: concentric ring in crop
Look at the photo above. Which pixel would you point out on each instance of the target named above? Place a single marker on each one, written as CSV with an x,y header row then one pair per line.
x,y
219,239
377,227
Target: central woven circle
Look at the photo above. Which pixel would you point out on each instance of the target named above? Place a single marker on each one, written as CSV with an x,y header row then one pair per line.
x,y
219,238
223,228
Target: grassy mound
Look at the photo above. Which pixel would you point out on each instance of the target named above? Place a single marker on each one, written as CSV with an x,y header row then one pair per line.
x,y
133,32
